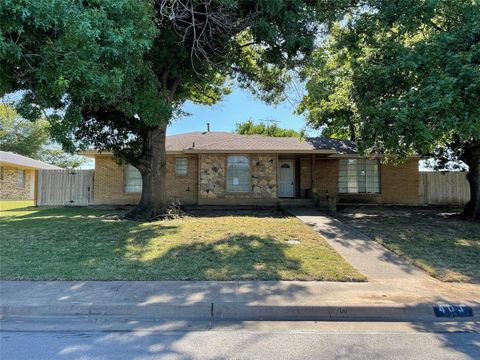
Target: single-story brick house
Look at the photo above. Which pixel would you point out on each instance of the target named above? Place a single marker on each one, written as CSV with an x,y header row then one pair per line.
x,y
18,176
221,168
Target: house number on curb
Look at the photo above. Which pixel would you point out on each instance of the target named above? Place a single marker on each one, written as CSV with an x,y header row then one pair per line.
x,y
450,311
339,310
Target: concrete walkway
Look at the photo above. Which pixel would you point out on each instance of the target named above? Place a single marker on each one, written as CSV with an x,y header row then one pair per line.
x,y
368,256
386,272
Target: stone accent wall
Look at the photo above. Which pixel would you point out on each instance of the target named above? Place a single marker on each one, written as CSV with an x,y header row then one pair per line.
x,y
263,177
263,170
9,189
108,182
213,176
401,184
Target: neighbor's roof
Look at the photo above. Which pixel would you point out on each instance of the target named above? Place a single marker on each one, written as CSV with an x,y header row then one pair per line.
x,y
224,141
23,161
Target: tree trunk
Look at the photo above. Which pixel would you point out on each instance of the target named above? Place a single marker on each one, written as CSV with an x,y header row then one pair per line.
x,y
471,157
152,165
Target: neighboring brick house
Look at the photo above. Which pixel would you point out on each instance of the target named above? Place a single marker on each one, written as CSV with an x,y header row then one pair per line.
x,y
220,168
18,176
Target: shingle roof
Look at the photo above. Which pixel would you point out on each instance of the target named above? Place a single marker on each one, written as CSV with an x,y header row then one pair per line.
x,y
23,161
224,141
340,146
181,142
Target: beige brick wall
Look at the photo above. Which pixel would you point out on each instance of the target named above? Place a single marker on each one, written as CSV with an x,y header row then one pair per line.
x,y
183,188
305,176
401,184
9,189
326,177
108,182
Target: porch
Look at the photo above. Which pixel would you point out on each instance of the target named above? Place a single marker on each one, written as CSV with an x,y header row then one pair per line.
x,y
316,177
306,176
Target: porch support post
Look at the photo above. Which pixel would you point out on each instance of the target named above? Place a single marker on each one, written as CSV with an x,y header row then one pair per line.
x,y
312,173
35,186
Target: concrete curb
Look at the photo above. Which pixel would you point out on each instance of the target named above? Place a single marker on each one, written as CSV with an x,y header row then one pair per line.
x,y
199,311
237,312
227,311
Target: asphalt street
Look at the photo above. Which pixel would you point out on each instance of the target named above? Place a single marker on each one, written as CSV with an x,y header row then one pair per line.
x,y
244,341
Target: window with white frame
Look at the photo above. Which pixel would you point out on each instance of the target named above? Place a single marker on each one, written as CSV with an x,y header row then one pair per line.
x,y
238,173
21,178
358,176
132,179
181,166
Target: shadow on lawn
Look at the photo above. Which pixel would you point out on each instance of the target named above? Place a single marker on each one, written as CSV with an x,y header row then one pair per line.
x,y
428,238
78,244
237,257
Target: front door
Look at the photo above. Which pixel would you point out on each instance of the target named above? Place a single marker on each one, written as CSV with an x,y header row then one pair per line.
x,y
286,179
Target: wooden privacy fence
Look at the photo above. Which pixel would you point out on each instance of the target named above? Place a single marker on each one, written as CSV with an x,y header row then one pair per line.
x,y
65,187
444,188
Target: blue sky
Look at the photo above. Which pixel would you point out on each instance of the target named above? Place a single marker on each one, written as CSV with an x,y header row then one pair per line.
x,y
239,106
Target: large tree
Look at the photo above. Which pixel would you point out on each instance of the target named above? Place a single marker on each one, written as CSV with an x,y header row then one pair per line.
x,y
120,69
403,77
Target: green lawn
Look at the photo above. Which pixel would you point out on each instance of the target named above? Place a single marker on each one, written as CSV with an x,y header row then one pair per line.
x,y
91,244
12,204
444,246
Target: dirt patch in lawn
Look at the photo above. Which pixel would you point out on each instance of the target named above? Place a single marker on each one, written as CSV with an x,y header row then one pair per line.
x,y
92,244
433,239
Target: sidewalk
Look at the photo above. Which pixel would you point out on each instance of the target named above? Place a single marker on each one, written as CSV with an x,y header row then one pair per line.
x,y
252,300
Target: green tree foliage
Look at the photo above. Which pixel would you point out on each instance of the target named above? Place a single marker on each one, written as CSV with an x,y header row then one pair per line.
x,y
250,128
58,157
21,136
404,77
119,69
31,139
328,102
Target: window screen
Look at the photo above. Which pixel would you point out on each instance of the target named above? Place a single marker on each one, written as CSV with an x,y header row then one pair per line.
x,y
181,166
21,178
238,177
132,179
358,176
